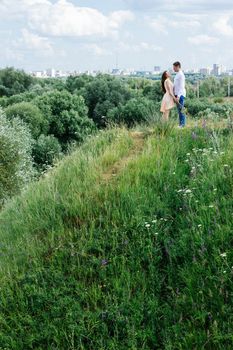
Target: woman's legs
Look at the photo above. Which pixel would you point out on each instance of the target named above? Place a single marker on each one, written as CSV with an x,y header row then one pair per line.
x,y
166,115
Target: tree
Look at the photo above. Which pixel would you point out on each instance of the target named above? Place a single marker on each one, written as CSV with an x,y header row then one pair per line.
x,y
67,115
211,87
14,81
15,157
31,115
75,84
106,91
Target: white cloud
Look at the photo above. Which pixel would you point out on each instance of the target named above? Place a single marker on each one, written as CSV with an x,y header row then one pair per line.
x,y
97,50
30,41
36,42
63,18
159,24
203,39
141,47
162,24
223,26
182,24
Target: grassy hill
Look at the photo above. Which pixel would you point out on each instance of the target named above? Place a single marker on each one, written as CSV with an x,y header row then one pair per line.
x,y
126,244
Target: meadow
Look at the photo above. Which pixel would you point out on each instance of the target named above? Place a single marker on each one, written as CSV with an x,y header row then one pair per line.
x,y
125,244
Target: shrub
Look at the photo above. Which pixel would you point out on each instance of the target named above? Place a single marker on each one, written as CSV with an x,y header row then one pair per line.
x,y
135,111
71,126
45,150
154,92
31,115
16,166
196,106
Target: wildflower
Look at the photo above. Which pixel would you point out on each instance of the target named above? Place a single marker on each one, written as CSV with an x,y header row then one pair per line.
x,y
188,191
154,221
223,255
194,136
215,189
224,271
174,173
147,225
104,262
188,154
204,124
199,225
156,233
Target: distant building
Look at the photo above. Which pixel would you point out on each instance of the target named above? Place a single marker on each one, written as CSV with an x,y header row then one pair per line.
x,y
51,73
205,71
38,74
116,71
157,69
217,69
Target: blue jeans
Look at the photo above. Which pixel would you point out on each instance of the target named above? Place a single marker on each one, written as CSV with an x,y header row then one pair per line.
x,y
182,116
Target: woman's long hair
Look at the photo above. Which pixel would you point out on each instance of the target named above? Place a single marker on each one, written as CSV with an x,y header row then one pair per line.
x,y
164,77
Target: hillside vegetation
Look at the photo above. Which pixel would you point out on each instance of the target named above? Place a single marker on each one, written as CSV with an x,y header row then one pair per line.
x,y
125,244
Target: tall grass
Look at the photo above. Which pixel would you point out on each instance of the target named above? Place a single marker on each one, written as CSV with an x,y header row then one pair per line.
x,y
142,261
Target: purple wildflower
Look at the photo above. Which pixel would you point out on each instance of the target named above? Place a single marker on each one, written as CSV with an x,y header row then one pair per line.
x,y
104,262
194,135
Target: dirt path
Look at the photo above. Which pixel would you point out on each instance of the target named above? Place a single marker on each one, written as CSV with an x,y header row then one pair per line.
x,y
138,140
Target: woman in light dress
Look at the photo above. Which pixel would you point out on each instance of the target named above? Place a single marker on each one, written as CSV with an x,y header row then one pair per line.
x,y
168,101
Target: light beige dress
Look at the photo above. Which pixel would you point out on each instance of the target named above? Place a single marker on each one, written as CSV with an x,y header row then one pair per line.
x,y
167,101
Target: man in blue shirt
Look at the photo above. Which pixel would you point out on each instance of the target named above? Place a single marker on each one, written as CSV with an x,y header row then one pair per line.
x,y
180,92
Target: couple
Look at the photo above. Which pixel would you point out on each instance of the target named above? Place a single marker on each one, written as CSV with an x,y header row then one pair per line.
x,y
174,94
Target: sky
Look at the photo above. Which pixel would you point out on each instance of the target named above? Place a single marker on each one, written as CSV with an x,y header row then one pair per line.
x,y
103,34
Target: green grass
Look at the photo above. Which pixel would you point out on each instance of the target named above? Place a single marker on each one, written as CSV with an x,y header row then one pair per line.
x,y
143,261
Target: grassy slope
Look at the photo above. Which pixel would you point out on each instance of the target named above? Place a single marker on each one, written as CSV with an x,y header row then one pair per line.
x,y
132,262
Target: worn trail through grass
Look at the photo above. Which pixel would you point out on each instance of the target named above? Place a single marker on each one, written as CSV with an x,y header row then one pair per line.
x,y
138,144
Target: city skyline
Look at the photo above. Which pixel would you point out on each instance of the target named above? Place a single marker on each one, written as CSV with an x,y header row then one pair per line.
x,y
216,70
130,34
